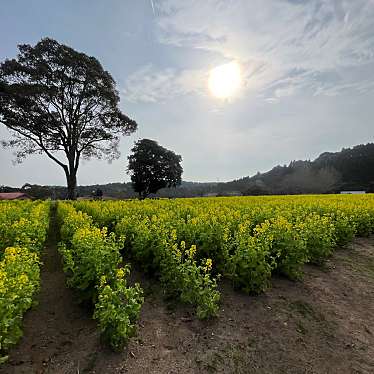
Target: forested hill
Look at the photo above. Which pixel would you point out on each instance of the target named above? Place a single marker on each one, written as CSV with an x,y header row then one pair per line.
x,y
349,169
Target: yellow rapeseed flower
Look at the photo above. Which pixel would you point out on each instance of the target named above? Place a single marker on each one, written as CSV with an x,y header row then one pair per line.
x,y
192,251
120,273
102,280
208,265
23,279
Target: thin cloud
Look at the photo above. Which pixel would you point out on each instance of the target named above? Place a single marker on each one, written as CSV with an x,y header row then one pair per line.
x,y
274,38
149,84
315,34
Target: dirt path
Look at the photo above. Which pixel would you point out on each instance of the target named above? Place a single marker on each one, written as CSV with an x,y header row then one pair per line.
x,y
322,325
59,335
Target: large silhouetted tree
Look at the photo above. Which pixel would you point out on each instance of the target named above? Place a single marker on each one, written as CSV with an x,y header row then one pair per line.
x,y
153,167
61,102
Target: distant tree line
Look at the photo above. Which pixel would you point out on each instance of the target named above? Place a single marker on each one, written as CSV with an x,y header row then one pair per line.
x,y
349,169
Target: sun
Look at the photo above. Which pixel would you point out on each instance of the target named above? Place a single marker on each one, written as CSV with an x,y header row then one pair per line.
x,y
225,80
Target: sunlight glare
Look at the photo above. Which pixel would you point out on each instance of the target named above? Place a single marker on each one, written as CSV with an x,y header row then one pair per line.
x,y
225,80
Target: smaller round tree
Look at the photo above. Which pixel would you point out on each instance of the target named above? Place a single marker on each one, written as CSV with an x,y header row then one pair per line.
x,y
153,167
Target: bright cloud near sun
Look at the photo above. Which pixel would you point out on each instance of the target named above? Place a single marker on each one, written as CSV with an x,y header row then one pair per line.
x,y
283,47
225,80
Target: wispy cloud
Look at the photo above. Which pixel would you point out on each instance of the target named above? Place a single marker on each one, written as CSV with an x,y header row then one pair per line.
x,y
149,84
318,34
272,39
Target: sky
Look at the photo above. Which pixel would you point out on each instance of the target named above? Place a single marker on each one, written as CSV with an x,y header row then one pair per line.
x,y
307,86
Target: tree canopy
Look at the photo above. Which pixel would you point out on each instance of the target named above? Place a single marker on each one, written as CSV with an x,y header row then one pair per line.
x,y
153,167
61,102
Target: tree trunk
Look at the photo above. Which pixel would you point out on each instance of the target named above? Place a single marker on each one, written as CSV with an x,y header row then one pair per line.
x,y
72,186
143,195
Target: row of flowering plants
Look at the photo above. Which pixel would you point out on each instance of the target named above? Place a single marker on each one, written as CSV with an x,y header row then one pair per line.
x,y
11,212
248,239
23,230
150,238
157,250
94,268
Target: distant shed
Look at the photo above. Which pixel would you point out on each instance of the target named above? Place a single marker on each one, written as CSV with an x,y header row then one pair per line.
x,y
352,192
14,196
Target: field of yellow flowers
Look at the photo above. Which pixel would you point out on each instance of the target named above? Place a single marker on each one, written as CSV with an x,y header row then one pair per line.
x,y
23,229
187,244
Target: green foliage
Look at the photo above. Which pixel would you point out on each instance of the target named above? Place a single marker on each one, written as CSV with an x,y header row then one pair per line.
x,y
153,245
146,242
350,169
30,231
363,219
117,308
23,225
92,253
91,261
319,235
84,121
19,281
247,238
192,283
345,227
248,267
70,221
23,229
153,167
210,233
287,247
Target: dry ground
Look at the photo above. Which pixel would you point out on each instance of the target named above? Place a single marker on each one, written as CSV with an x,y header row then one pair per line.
x,y
324,324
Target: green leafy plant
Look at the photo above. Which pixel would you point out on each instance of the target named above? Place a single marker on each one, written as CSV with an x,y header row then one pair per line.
x,y
319,235
19,281
23,229
287,247
345,228
249,267
117,308
191,282
91,261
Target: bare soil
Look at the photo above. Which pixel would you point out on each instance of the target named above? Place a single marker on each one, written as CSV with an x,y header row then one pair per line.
x,y
324,324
